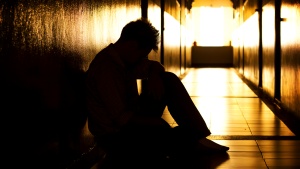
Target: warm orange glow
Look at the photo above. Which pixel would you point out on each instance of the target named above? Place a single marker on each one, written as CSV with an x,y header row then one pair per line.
x,y
236,31
172,30
268,26
289,32
250,30
155,15
212,26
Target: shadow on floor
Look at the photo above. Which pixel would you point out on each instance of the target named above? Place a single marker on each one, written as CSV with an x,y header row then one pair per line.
x,y
189,161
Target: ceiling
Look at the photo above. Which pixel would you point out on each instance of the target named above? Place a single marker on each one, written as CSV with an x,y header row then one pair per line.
x,y
213,3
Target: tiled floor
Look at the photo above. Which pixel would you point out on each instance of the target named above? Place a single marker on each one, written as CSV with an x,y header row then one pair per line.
x,y
239,119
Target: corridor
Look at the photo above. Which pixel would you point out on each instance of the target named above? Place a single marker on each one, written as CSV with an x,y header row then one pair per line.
x,y
47,47
239,119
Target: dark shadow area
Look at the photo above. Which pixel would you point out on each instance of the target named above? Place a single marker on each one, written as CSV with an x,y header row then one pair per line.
x,y
184,160
43,108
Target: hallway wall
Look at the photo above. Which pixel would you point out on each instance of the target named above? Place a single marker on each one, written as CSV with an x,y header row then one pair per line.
x,y
171,36
176,36
250,35
275,71
154,15
290,55
268,52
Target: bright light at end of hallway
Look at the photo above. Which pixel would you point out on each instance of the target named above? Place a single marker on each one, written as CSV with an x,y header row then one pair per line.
x,y
212,25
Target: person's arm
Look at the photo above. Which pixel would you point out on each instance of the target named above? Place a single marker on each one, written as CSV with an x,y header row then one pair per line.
x,y
108,101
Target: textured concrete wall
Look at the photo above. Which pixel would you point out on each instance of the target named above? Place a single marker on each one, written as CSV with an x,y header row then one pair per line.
x,y
46,46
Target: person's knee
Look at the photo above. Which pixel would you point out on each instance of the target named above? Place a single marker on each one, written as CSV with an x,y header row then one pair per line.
x,y
172,83
170,76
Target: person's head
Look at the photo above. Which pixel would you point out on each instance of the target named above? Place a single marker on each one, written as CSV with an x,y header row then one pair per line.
x,y
138,38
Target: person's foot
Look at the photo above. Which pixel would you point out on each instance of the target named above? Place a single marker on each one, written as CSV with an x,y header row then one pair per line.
x,y
207,145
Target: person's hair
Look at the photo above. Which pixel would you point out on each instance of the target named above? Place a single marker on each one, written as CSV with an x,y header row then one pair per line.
x,y
142,31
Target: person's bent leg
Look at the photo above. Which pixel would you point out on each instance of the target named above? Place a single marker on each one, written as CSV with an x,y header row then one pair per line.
x,y
189,120
182,108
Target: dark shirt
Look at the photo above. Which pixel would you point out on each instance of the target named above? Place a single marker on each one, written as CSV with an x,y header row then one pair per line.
x,y
112,95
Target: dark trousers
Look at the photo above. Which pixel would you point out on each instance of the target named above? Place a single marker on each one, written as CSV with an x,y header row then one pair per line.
x,y
158,138
179,104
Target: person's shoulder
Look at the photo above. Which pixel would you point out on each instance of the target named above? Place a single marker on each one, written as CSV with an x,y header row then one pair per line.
x,y
100,61
103,52
103,55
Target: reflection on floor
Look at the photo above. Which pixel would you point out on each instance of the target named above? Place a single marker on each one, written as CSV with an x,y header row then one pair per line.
x,y
239,119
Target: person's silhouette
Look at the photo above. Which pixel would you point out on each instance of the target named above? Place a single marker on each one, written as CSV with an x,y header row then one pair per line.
x,y
125,122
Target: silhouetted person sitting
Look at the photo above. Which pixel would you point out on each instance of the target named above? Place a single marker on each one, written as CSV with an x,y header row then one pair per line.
x,y
125,122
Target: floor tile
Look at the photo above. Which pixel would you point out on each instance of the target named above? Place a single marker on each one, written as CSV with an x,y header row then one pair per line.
x,y
248,163
279,142
286,162
278,148
281,155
